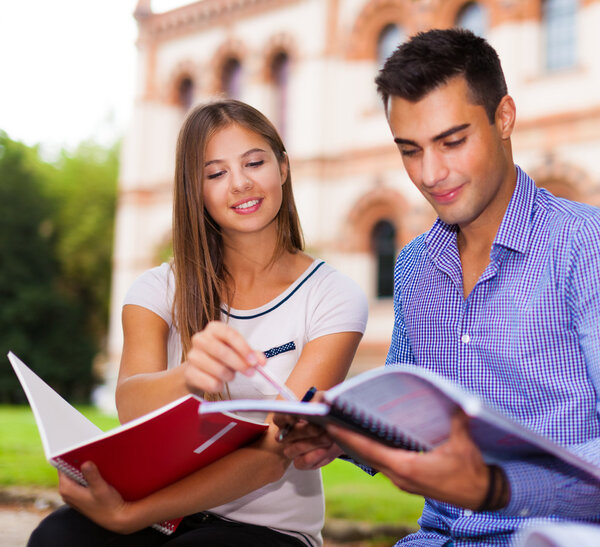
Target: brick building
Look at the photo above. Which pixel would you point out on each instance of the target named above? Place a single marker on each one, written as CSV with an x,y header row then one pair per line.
x,y
309,66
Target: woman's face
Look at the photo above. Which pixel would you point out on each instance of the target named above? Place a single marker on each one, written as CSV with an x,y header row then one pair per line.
x,y
242,181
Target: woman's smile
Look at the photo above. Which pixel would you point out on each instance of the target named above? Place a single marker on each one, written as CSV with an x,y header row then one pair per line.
x,y
247,206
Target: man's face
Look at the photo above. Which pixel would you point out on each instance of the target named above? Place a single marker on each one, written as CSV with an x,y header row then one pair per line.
x,y
458,160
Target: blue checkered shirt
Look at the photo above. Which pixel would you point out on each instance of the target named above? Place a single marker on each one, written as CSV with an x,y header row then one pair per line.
x,y
526,340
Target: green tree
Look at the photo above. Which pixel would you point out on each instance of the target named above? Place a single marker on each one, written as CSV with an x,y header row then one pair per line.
x,y
39,321
83,192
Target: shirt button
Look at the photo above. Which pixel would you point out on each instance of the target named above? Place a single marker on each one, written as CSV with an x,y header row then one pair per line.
x,y
468,513
465,338
524,512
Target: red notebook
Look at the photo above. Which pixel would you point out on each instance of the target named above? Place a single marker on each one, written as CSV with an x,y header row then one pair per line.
x,y
141,456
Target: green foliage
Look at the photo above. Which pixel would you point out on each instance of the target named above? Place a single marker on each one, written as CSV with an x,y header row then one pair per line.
x,y
55,244
83,193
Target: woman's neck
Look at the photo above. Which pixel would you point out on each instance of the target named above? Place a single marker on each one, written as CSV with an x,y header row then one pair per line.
x,y
258,274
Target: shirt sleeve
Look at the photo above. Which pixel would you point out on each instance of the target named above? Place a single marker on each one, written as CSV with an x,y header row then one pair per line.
x,y
153,290
400,350
340,306
546,486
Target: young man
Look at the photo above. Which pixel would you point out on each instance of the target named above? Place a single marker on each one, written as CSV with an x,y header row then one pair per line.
x,y
501,296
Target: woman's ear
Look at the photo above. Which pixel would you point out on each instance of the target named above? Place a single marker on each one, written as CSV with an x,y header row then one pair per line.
x,y
284,167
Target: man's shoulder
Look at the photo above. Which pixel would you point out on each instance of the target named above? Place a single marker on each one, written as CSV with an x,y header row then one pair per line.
x,y
568,214
412,256
415,248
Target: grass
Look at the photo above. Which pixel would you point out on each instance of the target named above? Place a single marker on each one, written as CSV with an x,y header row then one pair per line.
x,y
350,492
22,460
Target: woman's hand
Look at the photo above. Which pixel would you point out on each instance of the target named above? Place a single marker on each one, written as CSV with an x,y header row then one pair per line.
x,y
99,502
218,352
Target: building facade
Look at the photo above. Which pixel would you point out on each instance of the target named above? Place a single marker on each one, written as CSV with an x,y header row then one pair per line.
x,y
309,66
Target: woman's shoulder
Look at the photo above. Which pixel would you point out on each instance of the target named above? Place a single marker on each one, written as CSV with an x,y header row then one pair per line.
x,y
327,282
154,285
336,301
331,276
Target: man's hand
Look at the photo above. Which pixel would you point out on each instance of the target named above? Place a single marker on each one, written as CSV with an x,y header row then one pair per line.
x,y
454,472
308,445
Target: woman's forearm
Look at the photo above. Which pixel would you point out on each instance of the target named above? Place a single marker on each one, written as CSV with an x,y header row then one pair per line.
x,y
229,478
142,393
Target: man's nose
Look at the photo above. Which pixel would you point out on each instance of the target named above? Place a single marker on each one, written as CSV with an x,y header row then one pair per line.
x,y
434,167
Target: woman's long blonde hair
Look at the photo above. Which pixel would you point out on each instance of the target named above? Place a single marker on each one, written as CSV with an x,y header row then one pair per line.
x,y
201,277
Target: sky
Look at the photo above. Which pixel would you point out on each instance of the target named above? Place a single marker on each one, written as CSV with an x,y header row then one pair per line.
x,y
67,69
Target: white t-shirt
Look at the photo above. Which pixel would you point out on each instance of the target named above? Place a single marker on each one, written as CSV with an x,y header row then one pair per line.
x,y
321,301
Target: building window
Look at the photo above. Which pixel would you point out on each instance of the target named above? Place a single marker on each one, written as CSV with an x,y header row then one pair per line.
x,y
559,24
185,93
474,17
231,79
389,39
383,242
280,73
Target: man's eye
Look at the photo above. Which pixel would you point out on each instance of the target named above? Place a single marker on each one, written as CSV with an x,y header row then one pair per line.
x,y
407,153
452,144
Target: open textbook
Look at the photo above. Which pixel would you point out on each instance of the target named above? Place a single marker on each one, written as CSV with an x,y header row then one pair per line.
x,y
409,407
141,456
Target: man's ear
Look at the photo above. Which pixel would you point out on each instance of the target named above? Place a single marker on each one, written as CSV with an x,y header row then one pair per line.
x,y
506,115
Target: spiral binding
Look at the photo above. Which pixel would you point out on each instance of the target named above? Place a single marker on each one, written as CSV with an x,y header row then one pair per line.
x,y
166,527
378,429
69,470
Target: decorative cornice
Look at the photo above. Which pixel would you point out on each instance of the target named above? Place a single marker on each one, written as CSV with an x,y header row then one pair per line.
x,y
200,15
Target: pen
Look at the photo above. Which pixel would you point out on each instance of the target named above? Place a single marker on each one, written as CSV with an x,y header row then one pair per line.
x,y
288,427
309,394
282,389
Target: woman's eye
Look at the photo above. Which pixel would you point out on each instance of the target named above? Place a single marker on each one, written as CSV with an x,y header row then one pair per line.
x,y
214,175
256,163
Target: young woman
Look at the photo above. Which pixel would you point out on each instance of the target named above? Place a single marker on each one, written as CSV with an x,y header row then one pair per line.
x,y
240,293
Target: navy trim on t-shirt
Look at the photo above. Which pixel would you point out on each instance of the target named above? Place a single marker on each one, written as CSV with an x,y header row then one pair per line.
x,y
290,346
279,303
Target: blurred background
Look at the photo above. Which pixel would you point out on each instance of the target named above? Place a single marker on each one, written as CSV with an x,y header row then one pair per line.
x,y
92,96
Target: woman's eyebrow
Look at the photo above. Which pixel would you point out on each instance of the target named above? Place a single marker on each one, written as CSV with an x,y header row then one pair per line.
x,y
245,154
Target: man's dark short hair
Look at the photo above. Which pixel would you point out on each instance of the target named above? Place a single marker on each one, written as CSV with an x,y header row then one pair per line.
x,y
430,59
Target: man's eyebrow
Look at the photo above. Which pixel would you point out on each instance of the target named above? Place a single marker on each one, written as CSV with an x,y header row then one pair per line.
x,y
439,137
451,131
398,140
245,154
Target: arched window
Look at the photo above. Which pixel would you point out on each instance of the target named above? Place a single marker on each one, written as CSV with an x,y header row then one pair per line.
x,y
383,242
280,74
231,78
559,23
474,17
389,39
185,93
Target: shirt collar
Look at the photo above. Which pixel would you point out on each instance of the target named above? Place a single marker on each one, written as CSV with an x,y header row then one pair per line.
x,y
514,229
